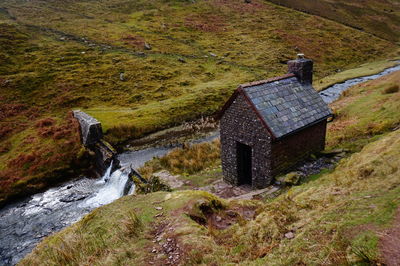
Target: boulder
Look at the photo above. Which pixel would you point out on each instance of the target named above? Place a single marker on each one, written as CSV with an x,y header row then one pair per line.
x,y
91,131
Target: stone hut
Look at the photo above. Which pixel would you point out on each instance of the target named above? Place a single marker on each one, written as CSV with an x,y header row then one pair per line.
x,y
268,126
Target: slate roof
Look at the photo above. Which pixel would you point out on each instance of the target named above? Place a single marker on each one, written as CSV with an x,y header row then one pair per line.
x,y
284,104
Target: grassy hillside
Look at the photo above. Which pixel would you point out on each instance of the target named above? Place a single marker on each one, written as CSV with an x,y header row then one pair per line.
x,y
139,66
378,17
337,217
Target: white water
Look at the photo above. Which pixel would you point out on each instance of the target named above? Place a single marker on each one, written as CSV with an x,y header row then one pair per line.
x,y
107,174
113,188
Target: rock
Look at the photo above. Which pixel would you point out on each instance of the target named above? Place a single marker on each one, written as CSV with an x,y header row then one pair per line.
x,y
180,59
213,55
128,185
289,235
73,197
159,215
158,208
147,46
122,76
140,54
291,179
91,131
167,178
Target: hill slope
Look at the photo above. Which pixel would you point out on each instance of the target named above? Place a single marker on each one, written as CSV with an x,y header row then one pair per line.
x,y
381,18
335,219
139,66
343,216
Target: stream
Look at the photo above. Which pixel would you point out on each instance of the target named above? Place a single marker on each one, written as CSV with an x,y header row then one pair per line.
x,y
333,92
25,222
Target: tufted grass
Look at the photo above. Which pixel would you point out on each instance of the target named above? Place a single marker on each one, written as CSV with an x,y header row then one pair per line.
x,y
335,219
58,57
365,113
373,16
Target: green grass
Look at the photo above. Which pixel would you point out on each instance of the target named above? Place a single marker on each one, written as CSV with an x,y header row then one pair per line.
x,y
327,216
364,70
381,18
58,57
365,113
336,216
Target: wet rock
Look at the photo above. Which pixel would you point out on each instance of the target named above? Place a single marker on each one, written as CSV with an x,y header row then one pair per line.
x,y
73,197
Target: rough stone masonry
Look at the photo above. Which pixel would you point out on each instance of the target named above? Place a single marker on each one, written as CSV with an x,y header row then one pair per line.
x,y
91,131
270,125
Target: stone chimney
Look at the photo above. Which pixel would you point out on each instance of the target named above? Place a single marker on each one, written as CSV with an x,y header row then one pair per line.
x,y
302,68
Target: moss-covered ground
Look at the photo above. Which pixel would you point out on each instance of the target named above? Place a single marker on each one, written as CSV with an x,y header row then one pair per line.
x,y
141,66
334,218
381,18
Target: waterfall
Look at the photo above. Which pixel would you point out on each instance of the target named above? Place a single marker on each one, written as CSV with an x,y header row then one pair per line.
x,y
114,186
107,174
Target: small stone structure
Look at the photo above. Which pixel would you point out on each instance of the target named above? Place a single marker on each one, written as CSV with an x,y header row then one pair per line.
x,y
92,138
268,126
91,131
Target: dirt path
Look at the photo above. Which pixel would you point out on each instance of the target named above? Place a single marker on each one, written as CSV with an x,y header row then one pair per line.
x,y
389,243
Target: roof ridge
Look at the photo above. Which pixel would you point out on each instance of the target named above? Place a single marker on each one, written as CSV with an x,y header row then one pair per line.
x,y
260,82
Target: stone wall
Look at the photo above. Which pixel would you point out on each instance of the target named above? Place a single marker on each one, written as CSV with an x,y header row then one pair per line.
x,y
91,131
92,138
294,148
239,123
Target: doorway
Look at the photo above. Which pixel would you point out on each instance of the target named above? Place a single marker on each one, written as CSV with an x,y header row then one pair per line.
x,y
243,153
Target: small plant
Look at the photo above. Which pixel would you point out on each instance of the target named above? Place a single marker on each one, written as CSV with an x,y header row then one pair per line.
x,y
45,122
132,225
153,184
364,255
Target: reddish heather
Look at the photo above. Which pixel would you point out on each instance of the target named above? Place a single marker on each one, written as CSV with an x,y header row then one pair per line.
x,y
205,22
37,167
136,41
